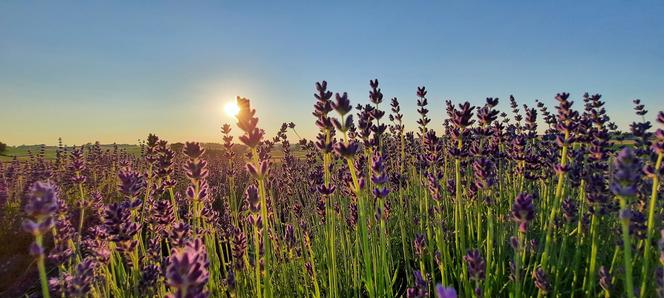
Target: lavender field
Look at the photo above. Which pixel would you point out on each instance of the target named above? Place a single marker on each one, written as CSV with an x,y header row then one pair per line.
x,y
548,199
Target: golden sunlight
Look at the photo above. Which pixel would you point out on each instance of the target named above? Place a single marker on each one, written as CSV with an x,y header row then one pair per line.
x,y
231,109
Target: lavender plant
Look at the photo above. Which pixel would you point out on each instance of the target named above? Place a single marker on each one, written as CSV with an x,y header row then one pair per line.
x,y
534,203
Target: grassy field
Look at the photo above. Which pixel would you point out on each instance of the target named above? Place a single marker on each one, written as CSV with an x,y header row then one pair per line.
x,y
23,152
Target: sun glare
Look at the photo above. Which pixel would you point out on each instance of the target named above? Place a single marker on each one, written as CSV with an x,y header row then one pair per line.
x,y
231,109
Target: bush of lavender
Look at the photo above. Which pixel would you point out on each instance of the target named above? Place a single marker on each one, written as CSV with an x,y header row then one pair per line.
x,y
486,205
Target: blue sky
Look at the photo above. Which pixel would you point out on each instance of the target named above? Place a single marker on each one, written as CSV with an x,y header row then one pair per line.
x,y
116,71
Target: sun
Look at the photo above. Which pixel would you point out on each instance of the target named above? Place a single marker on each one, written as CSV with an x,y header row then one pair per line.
x,y
231,109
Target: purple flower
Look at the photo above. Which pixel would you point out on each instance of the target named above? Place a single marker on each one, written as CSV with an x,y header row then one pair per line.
x,y
41,201
77,165
120,226
150,275
230,279
375,95
96,247
131,183
443,292
353,215
41,204
484,171
256,220
179,234
310,269
422,110
476,264
569,210
187,270
421,92
195,168
434,186
626,173
164,215
77,284
239,248
3,193
252,197
420,289
247,121
325,190
486,114
541,280
323,105
396,117
261,171
342,104
523,210
346,151
289,236
228,139
639,108
379,177
193,150
164,163
419,244
566,117
461,117
63,236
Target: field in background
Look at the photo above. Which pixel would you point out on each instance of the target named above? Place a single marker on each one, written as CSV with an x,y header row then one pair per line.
x,y
23,152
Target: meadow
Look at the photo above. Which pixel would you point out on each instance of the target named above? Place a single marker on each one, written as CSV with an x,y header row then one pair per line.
x,y
544,200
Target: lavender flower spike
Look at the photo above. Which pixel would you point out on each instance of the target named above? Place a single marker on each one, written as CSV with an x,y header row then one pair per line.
x,y
41,205
476,264
626,174
443,292
187,271
523,210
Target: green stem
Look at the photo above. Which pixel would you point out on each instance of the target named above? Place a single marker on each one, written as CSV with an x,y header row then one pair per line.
x,y
42,268
645,274
555,206
517,266
592,270
257,264
266,228
82,213
627,251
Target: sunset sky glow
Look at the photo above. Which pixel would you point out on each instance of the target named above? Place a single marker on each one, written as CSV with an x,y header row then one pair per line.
x,y
116,71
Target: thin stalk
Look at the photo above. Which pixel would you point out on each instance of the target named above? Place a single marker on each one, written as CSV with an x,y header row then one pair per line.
x,y
627,250
82,213
313,268
266,223
42,268
460,241
489,250
517,265
645,273
592,267
364,239
555,205
257,264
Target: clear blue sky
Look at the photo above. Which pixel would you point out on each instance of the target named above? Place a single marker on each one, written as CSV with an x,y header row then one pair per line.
x,y
115,71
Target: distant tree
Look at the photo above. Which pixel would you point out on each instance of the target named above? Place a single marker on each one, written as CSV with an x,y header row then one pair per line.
x,y
177,147
3,147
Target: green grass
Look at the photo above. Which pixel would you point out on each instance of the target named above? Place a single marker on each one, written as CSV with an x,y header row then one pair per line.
x,y
23,152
